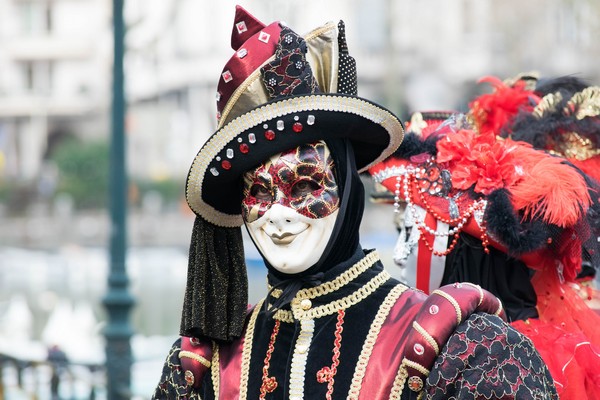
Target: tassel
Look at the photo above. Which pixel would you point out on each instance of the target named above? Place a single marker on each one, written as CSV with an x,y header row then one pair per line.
x,y
216,295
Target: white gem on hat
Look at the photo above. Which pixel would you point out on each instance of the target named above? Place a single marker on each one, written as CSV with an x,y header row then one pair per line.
x,y
242,53
229,153
299,64
240,140
296,118
266,126
280,126
241,27
252,138
264,37
214,171
218,158
272,82
227,77
310,120
218,96
289,39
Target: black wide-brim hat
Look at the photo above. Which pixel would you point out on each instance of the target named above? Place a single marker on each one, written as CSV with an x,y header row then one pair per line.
x,y
277,92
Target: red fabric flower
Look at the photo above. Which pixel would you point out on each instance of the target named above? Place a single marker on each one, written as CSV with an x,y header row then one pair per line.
x,y
478,161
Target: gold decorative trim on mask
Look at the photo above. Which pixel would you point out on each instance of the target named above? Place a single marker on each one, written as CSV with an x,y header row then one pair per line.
x,y
548,104
247,351
367,349
585,103
573,146
299,104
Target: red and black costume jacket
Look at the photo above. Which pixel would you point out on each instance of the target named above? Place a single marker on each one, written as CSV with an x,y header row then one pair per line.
x,y
363,335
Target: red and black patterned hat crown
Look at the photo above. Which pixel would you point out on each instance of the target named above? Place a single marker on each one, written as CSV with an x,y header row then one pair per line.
x,y
278,91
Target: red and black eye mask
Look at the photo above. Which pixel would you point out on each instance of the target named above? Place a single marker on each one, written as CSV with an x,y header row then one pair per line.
x,y
301,179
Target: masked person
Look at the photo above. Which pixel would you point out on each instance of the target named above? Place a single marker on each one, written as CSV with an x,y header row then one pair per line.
x,y
515,220
284,162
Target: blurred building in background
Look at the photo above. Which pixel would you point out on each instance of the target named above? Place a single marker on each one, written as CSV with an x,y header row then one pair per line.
x,y
55,60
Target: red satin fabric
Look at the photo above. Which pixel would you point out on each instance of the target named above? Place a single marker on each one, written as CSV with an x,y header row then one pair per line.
x,y
230,370
387,353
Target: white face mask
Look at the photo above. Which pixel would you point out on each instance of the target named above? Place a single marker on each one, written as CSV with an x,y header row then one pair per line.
x,y
290,241
290,206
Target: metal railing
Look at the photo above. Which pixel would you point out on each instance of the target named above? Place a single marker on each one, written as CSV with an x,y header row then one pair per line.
x,y
22,379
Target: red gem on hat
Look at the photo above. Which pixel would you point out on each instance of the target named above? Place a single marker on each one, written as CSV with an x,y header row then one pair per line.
x,y
227,77
264,37
297,127
244,148
226,165
269,134
241,27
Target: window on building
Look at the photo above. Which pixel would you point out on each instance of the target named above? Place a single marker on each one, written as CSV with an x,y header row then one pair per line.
x,y
35,17
37,76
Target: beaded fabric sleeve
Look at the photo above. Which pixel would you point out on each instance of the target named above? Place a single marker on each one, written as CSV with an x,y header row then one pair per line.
x,y
173,383
486,358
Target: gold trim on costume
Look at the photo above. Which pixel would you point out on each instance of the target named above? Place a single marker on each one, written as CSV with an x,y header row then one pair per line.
x,y
399,381
426,336
367,349
547,104
215,369
481,295
195,357
246,353
328,287
301,349
346,277
574,146
415,365
499,310
343,303
452,301
585,103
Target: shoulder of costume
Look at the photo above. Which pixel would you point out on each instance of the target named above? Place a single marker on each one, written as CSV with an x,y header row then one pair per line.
x,y
438,318
196,356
